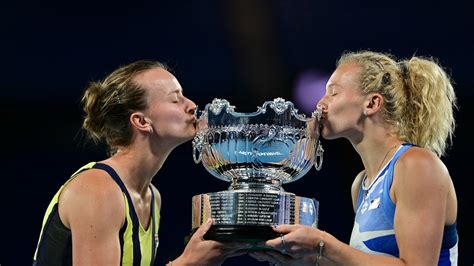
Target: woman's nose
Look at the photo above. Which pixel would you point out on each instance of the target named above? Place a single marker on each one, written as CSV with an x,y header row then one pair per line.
x,y
190,107
321,105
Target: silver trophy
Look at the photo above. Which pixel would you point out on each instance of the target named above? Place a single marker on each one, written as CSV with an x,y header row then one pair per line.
x,y
257,153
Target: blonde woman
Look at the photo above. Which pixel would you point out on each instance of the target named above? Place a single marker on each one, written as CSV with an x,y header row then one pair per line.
x,y
398,116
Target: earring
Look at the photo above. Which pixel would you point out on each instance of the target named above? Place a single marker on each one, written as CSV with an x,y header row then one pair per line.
x,y
150,129
365,112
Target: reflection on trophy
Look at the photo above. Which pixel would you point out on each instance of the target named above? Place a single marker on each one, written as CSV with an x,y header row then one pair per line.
x,y
257,153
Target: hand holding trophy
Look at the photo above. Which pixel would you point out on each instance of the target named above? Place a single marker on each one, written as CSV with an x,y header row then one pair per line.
x,y
257,153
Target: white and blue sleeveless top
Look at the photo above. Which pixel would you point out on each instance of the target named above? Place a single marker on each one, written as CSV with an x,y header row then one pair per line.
x,y
373,226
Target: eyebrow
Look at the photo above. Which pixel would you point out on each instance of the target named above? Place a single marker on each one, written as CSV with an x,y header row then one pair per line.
x,y
330,85
333,84
180,90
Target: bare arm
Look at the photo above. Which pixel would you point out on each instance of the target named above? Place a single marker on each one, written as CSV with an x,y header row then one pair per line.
x,y
420,191
93,207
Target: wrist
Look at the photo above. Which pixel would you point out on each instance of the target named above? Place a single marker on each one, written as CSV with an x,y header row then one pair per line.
x,y
320,248
334,250
179,261
176,262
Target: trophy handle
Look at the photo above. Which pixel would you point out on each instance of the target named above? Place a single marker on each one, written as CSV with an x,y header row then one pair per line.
x,y
197,147
197,155
319,156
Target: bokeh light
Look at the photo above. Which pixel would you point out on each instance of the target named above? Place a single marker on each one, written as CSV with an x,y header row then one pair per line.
x,y
309,88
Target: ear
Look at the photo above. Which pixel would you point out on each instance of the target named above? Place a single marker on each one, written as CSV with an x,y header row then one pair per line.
x,y
374,103
140,122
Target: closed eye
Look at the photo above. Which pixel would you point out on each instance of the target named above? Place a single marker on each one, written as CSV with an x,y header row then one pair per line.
x,y
175,99
332,92
332,89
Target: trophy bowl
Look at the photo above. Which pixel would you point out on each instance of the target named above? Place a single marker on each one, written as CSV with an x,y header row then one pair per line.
x,y
257,153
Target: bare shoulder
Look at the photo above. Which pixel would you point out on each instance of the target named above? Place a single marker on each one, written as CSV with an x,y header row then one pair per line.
x,y
93,195
424,162
157,196
419,169
356,188
92,206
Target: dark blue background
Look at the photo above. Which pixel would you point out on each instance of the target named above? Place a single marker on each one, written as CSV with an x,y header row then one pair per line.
x,y
246,51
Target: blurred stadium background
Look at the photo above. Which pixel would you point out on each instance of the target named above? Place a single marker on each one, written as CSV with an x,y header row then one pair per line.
x,y
246,51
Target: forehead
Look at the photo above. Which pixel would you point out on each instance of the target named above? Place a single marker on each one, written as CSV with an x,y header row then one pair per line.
x,y
158,80
346,74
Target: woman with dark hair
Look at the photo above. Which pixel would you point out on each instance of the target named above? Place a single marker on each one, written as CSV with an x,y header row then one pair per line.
x,y
108,212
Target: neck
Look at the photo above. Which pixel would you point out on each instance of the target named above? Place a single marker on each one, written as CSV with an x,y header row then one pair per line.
x,y
375,154
375,143
137,165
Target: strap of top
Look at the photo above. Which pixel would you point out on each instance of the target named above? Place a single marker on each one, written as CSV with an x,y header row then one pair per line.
x,y
137,255
389,166
404,147
153,228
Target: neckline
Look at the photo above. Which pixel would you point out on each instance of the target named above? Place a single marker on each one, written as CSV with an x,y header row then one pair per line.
x,y
149,225
150,219
367,189
132,211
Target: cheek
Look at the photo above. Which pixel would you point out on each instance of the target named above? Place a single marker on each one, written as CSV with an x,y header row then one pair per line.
x,y
347,106
175,123
168,120
337,110
171,115
343,114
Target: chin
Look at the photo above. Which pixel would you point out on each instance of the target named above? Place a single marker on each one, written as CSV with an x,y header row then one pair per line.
x,y
179,141
327,135
189,136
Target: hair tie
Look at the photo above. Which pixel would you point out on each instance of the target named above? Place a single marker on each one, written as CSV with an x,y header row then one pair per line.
x,y
404,69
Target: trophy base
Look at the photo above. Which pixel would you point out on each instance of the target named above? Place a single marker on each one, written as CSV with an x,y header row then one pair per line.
x,y
254,234
248,216
240,233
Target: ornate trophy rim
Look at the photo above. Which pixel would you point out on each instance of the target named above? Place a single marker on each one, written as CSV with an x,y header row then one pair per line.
x,y
279,105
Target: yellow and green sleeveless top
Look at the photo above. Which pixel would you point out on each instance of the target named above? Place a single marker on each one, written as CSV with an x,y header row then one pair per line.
x,y
138,246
